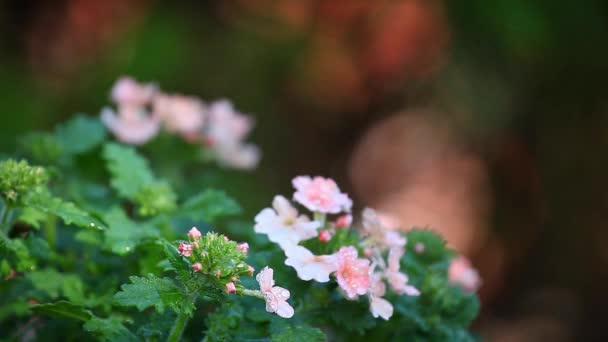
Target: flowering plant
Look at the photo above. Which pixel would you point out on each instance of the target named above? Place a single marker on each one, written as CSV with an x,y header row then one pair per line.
x,y
94,243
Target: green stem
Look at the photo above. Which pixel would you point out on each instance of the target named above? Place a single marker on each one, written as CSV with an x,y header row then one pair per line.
x,y
320,217
253,293
178,327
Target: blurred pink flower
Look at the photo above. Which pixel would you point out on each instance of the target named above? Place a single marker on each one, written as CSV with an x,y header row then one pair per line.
x,y
275,296
463,274
378,233
353,273
194,233
185,249
181,114
225,133
243,247
344,221
197,267
282,224
230,287
396,279
324,236
309,266
320,195
380,307
133,125
127,91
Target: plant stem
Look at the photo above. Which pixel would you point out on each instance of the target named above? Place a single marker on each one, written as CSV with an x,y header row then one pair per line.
x,y
253,293
178,327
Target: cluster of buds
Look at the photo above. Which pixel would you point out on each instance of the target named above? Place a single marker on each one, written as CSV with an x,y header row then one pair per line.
x,y
17,178
356,276
142,110
222,262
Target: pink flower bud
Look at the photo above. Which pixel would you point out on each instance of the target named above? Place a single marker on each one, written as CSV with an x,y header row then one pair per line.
x,y
419,248
197,267
218,274
324,236
344,221
250,269
185,249
230,288
194,233
368,252
243,247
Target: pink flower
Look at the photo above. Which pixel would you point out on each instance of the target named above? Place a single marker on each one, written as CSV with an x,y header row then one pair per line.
x,y
230,288
225,133
250,269
127,91
378,233
243,247
381,307
463,274
310,266
181,114
396,279
194,233
324,236
275,296
353,273
132,125
185,249
320,195
283,225
344,221
197,267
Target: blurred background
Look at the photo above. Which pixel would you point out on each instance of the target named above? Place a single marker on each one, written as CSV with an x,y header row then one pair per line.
x,y
486,120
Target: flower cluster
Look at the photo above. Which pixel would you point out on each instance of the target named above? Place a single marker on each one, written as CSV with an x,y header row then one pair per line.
x,y
142,110
221,262
356,276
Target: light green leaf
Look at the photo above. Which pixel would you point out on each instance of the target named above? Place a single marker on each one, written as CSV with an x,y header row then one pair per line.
x,y
209,205
80,134
109,329
123,235
55,284
33,217
152,291
43,201
130,171
63,309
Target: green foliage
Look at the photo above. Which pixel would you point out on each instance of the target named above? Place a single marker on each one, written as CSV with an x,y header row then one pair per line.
x,y
42,147
156,198
52,284
130,171
63,309
284,331
80,134
224,323
123,235
209,205
44,202
18,178
109,329
151,291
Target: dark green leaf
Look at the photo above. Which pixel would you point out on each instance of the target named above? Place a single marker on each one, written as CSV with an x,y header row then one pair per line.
x,y
80,134
63,309
153,292
209,205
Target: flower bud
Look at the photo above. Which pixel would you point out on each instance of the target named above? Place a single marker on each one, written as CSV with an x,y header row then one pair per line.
x,y
194,234
243,247
197,267
230,288
324,236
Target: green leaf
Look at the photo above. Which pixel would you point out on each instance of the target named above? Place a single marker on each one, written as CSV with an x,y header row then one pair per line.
x,y
63,309
68,212
152,291
109,329
281,331
32,216
123,235
156,198
209,205
55,284
80,134
130,171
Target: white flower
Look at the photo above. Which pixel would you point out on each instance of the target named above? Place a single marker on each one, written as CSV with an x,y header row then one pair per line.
x,y
310,266
283,225
396,279
275,296
380,307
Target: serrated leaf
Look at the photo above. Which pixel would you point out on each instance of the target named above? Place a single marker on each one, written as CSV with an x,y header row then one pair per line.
x,y
32,216
68,212
285,332
63,309
209,205
130,171
80,134
123,235
109,329
152,291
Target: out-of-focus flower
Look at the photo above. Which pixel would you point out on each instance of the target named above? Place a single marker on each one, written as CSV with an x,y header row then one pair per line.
x,y
320,194
243,247
275,296
194,233
310,266
132,125
463,274
185,249
283,225
324,236
396,279
181,114
419,248
380,235
380,307
197,267
352,273
344,221
128,92
225,133
230,287
250,269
